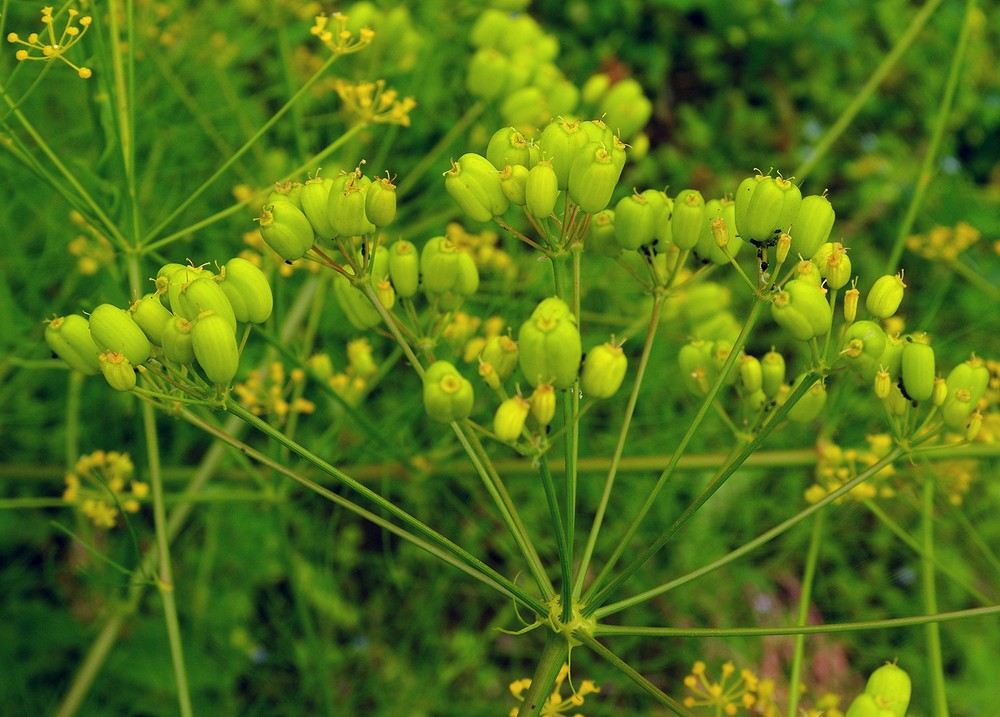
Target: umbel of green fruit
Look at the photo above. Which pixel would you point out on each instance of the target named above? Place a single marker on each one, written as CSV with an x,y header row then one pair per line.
x,y
766,207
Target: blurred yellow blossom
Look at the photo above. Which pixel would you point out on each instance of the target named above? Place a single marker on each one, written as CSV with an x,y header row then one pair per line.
x,y
556,704
102,482
52,47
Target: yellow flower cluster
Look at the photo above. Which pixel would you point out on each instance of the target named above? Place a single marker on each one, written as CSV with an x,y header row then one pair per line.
x,y
353,383
270,394
91,248
747,693
944,242
837,466
54,48
372,102
485,248
556,704
97,485
332,31
460,333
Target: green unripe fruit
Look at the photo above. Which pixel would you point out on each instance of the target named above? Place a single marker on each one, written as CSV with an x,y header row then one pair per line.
x,y
864,344
890,686
177,281
891,359
380,202
885,296
315,199
808,407
697,365
708,247
808,272
957,409
526,107
772,373
508,146
345,209
214,344
286,192
117,371
474,183
508,422
162,281
601,236
549,345
439,265
355,305
702,301
543,404
766,208
151,316
597,131
541,190
177,341
248,291
625,108
813,224
501,353
750,377
688,219
560,143
663,207
514,183
114,330
603,371
802,310
487,74
68,337
287,230
595,88
864,705
972,375
204,294
635,221
834,265
918,371
467,277
593,178
447,395
404,268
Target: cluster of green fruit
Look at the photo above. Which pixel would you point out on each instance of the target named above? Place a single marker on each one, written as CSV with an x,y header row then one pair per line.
x,y
887,694
191,316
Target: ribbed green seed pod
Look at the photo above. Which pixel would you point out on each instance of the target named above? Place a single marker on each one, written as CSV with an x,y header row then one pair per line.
x,y
663,208
810,405
151,316
687,219
467,277
601,237
971,375
177,341
593,178
813,224
439,265
917,371
474,183
201,295
68,337
214,344
345,209
603,371
772,373
541,190
501,352
514,183
708,246
380,202
248,291
697,365
625,108
765,209
117,370
561,142
286,192
508,421
447,395
487,73
404,268
315,199
864,344
890,686
750,375
885,296
802,309
549,345
543,404
508,146
635,221
114,330
287,230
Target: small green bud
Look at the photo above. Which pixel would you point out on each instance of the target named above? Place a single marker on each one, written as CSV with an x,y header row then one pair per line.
x,y
766,208
151,316
601,236
688,218
177,341
380,201
593,178
810,405
595,88
635,221
603,371
214,344
541,189
508,422
885,296
68,337
549,345
543,404
508,146
782,247
315,198
890,686
851,297
883,384
802,309
386,294
940,394
117,371
813,224
918,371
514,183
501,352
287,230
404,268
447,395
114,330
489,375
772,373
247,289
957,409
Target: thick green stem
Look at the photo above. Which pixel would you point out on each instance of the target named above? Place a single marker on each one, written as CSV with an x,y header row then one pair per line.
x,y
553,657
804,599
931,630
557,525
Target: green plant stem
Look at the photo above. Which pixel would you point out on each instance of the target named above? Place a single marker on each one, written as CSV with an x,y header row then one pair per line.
x,y
550,662
571,409
408,184
609,481
557,525
753,544
224,167
975,537
630,672
932,630
815,538
165,580
602,630
123,100
847,116
937,133
598,585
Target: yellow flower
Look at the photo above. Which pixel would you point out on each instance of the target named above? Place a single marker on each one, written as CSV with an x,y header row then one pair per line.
x,y
726,695
54,48
337,38
556,705
372,102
